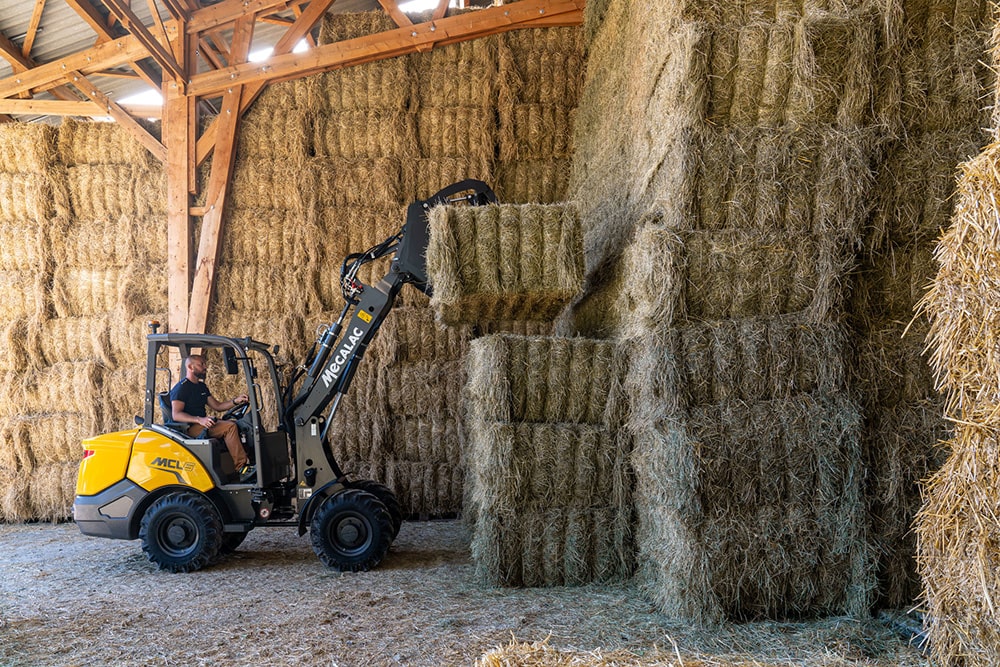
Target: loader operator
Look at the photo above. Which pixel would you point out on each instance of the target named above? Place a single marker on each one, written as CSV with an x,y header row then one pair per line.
x,y
188,399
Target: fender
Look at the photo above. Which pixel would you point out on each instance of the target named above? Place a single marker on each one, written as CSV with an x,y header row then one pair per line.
x,y
319,495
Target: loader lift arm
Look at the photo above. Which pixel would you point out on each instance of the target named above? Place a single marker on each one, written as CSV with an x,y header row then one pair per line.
x,y
340,349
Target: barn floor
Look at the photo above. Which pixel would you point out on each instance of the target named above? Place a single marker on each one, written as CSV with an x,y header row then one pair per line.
x,y
66,599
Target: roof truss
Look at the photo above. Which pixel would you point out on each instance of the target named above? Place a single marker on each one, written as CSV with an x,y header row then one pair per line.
x,y
198,56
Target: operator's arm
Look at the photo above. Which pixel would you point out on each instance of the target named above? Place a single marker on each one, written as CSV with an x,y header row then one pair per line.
x,y
222,406
177,408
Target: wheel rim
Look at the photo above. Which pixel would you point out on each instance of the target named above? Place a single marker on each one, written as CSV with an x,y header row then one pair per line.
x,y
350,534
178,536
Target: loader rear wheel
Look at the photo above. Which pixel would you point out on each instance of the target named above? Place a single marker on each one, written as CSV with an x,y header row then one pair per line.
x,y
181,532
351,531
388,498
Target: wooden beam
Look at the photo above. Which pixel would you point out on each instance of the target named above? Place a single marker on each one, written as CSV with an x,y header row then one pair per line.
x,y
177,121
36,19
440,10
303,24
523,14
10,52
391,8
140,133
98,24
88,12
123,12
229,11
210,240
68,108
218,187
102,56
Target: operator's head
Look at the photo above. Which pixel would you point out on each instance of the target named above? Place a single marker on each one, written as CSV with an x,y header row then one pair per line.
x,y
196,366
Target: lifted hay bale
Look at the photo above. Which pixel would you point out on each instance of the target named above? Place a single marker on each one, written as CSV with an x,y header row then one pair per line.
x,y
504,262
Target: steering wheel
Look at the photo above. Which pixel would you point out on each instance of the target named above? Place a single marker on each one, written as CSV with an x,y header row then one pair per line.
x,y
236,412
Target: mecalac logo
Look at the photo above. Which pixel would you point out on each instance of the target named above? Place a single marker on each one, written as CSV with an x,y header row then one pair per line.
x,y
171,465
339,359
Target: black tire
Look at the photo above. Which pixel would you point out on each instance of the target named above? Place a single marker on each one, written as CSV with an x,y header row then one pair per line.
x,y
231,542
351,531
181,532
388,498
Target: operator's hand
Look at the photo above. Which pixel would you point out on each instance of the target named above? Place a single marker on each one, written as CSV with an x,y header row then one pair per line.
x,y
241,400
207,422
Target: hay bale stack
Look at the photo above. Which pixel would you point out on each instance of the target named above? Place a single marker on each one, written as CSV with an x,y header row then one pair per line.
x,y
548,473
503,262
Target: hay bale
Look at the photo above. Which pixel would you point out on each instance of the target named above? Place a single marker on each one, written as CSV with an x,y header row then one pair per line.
x,y
457,75
754,510
15,501
64,387
122,241
735,273
24,295
832,72
384,84
303,94
262,237
430,389
902,448
956,529
553,547
51,491
456,132
364,134
19,345
890,365
87,292
412,334
704,363
503,262
345,183
122,397
269,326
425,176
914,187
76,339
542,379
27,148
30,197
534,181
264,288
22,246
537,132
337,27
15,446
265,183
890,284
86,142
109,191
435,438
266,134
961,301
546,65
425,489
127,337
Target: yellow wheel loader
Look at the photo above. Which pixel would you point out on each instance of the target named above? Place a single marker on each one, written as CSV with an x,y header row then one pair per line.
x,y
181,496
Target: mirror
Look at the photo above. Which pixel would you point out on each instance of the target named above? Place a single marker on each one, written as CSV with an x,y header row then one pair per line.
x,y
229,358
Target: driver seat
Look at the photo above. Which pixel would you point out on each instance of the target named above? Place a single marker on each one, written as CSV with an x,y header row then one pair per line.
x,y
168,417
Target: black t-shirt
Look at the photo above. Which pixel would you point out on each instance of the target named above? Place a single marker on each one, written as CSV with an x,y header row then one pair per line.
x,y
194,396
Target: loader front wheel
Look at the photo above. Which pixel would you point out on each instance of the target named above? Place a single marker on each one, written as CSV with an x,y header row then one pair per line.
x,y
181,532
388,498
351,531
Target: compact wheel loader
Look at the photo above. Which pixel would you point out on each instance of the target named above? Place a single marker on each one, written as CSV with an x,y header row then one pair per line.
x,y
181,496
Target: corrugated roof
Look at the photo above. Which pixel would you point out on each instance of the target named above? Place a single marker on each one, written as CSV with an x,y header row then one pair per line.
x,y
63,32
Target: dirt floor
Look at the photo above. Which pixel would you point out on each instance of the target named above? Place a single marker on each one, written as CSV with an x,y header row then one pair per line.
x,y
66,599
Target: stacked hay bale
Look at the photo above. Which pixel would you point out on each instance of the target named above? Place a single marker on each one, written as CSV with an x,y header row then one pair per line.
x,y
957,528
109,265
539,87
386,134
778,139
549,479
34,454
938,81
